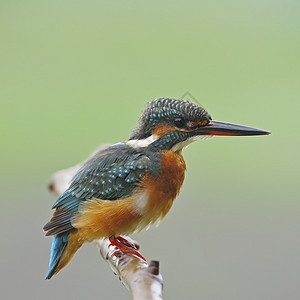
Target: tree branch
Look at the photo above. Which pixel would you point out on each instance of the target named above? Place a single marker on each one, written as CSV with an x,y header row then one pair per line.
x,y
142,280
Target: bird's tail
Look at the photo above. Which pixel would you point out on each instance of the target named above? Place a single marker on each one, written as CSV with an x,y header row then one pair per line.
x,y
64,246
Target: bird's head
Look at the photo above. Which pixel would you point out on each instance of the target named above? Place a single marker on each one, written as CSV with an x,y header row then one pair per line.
x,y
173,124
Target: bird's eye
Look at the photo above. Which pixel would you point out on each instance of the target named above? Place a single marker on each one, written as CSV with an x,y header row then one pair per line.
x,y
179,122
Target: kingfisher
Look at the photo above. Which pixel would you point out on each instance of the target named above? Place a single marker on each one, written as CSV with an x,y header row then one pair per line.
x,y
130,185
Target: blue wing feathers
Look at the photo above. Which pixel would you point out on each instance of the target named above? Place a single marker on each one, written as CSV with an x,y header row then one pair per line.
x,y
111,174
62,199
66,207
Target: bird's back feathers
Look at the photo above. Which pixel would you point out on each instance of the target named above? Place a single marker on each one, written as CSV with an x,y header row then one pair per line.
x,y
113,173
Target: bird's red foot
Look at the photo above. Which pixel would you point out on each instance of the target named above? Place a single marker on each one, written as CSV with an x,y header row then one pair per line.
x,y
124,246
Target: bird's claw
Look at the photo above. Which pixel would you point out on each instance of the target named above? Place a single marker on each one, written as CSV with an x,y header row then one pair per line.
x,y
124,246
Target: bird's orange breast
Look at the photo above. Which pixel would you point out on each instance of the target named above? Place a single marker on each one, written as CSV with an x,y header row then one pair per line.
x,y
167,185
162,190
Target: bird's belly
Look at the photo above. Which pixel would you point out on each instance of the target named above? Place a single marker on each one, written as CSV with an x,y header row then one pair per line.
x,y
103,218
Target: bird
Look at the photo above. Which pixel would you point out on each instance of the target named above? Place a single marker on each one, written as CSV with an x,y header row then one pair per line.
x,y
131,185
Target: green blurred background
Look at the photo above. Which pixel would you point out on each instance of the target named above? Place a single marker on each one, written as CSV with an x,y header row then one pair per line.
x,y
75,74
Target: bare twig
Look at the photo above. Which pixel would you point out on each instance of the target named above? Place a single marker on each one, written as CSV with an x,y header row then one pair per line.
x,y
61,180
142,280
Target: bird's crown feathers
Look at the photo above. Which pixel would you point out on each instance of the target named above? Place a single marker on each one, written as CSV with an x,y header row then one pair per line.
x,y
171,112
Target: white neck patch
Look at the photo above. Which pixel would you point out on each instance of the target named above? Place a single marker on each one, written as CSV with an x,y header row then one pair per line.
x,y
142,143
184,144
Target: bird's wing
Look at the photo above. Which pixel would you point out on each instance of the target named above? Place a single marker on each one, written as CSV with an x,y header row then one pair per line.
x,y
110,174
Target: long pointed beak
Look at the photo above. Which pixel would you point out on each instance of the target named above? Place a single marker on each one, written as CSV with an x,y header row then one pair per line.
x,y
228,129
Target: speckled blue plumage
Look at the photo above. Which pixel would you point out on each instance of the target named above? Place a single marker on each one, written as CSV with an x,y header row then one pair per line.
x,y
164,110
112,173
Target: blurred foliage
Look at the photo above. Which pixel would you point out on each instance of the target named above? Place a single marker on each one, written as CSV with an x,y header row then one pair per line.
x,y
76,74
